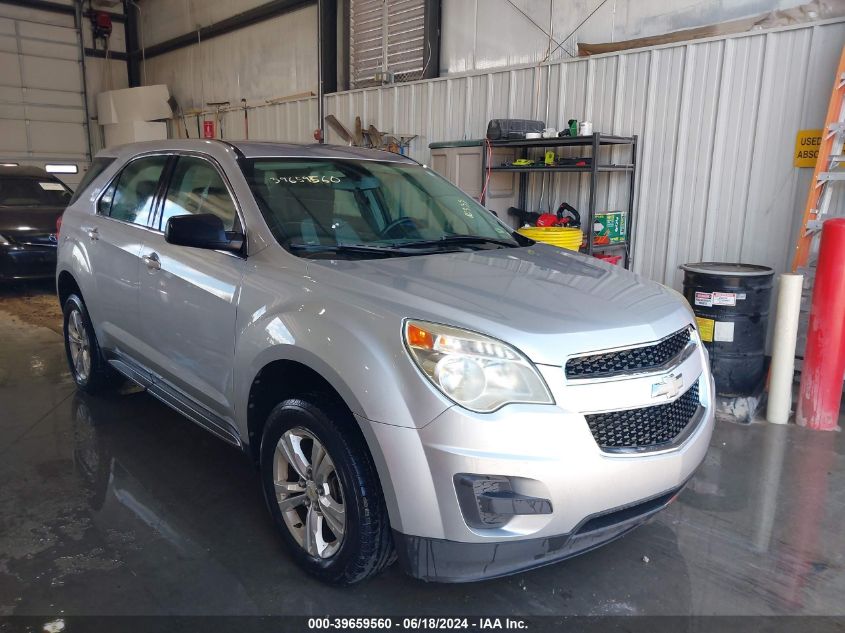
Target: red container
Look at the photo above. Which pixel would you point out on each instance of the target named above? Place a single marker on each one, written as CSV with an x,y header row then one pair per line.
x,y
610,259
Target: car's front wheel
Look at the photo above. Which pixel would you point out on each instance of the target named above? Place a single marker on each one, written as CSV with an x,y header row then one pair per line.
x,y
323,492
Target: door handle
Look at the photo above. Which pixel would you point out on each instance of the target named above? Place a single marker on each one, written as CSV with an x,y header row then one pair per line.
x,y
152,261
92,232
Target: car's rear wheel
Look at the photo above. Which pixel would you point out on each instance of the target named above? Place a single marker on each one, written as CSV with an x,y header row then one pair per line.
x,y
323,492
89,369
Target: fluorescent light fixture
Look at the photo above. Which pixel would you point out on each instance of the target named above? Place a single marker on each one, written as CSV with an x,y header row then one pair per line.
x,y
62,169
9,164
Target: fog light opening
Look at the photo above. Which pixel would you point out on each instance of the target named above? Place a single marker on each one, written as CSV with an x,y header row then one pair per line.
x,y
489,501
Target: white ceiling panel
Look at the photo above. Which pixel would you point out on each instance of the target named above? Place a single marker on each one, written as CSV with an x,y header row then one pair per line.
x,y
56,138
42,115
12,138
47,32
47,113
10,74
8,44
54,74
50,49
53,97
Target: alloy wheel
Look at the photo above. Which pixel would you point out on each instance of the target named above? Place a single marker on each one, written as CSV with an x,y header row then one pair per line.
x,y
309,493
79,345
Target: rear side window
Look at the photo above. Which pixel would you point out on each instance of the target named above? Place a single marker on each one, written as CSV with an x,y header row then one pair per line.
x,y
94,170
130,197
197,187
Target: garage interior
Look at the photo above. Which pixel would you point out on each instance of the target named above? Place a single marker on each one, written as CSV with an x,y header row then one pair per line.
x,y
677,132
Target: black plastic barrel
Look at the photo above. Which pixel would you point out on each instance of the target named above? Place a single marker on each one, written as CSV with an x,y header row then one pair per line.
x,y
731,305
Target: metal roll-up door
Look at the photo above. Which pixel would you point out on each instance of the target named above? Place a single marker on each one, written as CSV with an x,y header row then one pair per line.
x,y
42,112
387,38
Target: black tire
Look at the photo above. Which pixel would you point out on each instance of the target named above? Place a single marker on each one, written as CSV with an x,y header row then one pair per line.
x,y
100,376
367,547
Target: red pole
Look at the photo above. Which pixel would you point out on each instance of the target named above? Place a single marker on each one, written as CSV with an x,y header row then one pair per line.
x,y
824,358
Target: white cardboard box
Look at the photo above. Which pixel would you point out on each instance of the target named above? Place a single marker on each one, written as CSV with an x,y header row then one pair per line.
x,y
133,131
144,103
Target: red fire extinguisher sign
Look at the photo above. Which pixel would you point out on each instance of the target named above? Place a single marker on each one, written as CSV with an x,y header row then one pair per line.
x,y
208,129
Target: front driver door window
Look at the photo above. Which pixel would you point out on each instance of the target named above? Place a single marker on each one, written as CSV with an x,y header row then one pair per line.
x,y
197,187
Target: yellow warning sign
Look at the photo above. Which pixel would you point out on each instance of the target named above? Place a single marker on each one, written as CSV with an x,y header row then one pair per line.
x,y
705,328
806,148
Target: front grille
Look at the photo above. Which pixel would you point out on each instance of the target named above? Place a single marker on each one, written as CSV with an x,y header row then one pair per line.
x,y
633,359
648,427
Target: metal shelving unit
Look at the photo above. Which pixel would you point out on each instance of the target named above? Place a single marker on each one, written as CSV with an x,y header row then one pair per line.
x,y
596,141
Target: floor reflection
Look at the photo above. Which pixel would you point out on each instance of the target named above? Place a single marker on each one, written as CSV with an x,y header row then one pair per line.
x,y
116,505
758,524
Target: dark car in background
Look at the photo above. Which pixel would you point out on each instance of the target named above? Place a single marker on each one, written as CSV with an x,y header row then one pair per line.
x,y
31,201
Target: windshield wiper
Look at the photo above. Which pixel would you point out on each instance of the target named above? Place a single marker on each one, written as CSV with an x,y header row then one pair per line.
x,y
386,251
462,239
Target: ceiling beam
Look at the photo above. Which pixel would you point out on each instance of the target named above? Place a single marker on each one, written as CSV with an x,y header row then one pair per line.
x,y
43,5
261,13
101,54
58,7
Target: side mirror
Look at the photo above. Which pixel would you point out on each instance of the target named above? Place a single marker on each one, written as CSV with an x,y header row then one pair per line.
x,y
203,230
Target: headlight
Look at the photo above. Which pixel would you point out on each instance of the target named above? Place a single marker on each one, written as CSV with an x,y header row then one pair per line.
x,y
4,241
476,371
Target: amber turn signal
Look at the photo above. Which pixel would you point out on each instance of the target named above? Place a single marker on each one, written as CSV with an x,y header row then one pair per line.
x,y
418,337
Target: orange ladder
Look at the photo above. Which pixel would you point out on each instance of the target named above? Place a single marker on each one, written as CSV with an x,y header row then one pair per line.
x,y
826,172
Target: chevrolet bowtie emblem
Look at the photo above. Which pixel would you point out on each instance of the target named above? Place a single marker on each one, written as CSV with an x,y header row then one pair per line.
x,y
670,386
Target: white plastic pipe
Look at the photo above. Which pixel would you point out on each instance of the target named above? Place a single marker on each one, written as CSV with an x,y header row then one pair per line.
x,y
784,339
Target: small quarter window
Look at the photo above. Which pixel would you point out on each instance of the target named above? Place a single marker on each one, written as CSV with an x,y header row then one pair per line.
x,y
133,193
104,203
96,168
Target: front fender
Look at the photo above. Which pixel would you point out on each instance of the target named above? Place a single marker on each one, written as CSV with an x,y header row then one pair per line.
x,y
361,356
359,353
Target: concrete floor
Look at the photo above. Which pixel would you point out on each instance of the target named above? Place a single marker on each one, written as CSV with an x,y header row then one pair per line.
x,y
120,506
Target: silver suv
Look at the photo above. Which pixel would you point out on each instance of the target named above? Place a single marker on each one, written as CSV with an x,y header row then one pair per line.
x,y
413,379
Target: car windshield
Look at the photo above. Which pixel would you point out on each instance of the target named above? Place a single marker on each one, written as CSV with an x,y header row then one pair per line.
x,y
362,208
32,192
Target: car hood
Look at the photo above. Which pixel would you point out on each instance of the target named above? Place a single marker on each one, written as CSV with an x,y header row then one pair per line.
x,y
29,219
548,302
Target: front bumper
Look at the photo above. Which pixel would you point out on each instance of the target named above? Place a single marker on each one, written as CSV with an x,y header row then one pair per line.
x,y
22,262
547,453
450,561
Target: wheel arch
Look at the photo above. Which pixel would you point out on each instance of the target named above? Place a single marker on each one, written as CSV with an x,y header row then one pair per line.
x,y
284,378
276,381
66,285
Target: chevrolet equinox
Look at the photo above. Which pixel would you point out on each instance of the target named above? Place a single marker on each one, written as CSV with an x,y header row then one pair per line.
x,y
413,379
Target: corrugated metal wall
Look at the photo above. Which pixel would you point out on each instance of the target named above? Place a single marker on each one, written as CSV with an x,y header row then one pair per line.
x,y
716,118
492,34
